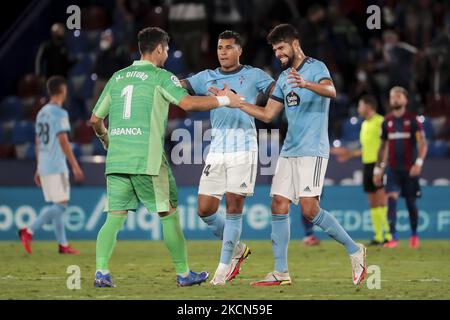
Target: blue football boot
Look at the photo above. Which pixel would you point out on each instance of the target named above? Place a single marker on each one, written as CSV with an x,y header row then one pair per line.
x,y
103,280
192,278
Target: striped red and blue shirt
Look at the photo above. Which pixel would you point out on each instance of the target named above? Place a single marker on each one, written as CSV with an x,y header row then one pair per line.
x,y
401,136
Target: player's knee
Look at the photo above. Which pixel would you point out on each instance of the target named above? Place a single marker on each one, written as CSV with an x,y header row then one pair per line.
x,y
234,209
205,210
310,209
235,206
280,205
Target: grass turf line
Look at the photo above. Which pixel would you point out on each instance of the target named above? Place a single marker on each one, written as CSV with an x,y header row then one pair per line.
x,y
143,270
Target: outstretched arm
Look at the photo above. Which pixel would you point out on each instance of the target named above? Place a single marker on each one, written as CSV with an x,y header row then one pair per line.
x,y
197,103
265,114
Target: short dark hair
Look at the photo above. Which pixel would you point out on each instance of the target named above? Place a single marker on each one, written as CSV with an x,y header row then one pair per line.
x,y
54,84
370,101
228,34
283,32
150,38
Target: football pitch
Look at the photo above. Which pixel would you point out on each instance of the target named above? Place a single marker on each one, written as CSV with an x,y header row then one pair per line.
x,y
143,270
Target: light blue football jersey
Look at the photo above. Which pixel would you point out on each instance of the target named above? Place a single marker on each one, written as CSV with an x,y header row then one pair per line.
x,y
306,112
232,129
50,121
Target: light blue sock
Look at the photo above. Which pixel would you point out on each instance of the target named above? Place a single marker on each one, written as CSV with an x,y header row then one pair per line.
x,y
46,215
231,235
281,233
331,226
58,225
216,224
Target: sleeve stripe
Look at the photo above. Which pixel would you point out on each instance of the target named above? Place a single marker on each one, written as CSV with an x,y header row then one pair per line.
x,y
325,78
277,99
269,87
189,88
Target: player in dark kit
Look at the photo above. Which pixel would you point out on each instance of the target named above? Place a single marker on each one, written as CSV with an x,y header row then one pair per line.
x,y
402,152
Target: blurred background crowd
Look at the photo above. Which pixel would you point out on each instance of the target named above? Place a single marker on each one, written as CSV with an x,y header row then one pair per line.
x,y
412,49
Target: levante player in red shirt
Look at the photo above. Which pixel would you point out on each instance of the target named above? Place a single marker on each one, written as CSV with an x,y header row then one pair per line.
x,y
401,157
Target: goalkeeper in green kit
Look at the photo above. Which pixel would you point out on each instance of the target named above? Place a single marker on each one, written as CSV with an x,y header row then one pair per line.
x,y
136,100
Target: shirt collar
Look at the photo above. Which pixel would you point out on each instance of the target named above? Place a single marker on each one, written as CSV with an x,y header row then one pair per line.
x,y
142,63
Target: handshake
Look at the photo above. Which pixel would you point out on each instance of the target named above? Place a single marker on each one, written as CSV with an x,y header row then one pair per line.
x,y
226,97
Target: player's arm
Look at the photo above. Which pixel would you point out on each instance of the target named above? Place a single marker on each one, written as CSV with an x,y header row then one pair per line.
x,y
37,179
378,171
67,149
100,130
343,154
185,84
203,103
422,147
197,103
324,87
265,114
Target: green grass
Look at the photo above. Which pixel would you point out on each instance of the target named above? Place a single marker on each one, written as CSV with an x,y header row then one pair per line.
x,y
143,270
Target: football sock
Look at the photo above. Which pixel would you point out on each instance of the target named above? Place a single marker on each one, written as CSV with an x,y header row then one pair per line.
x,y
46,215
231,235
392,216
382,211
413,214
308,226
58,225
216,224
107,238
280,240
175,242
377,226
331,226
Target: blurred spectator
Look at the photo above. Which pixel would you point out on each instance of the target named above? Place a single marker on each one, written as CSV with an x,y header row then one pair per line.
x,y
188,29
109,59
313,32
53,57
399,58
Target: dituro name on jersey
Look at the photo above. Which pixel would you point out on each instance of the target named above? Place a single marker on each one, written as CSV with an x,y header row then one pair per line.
x,y
133,74
126,132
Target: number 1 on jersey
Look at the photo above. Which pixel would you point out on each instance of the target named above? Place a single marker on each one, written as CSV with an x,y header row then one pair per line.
x,y
128,93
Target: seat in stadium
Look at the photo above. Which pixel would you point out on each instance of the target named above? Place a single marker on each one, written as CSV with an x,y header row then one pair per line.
x,y
31,85
11,108
23,132
83,132
98,148
30,153
351,129
438,149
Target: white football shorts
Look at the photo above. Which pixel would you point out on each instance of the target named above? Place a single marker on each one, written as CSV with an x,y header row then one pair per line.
x,y
299,177
233,172
56,187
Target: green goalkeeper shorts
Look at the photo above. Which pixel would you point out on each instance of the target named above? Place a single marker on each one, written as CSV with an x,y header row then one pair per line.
x,y
157,193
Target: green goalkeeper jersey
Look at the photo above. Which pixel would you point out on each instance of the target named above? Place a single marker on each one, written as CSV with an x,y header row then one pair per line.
x,y
136,99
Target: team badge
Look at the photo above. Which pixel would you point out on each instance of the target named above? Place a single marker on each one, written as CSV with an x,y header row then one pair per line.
x,y
292,99
241,80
